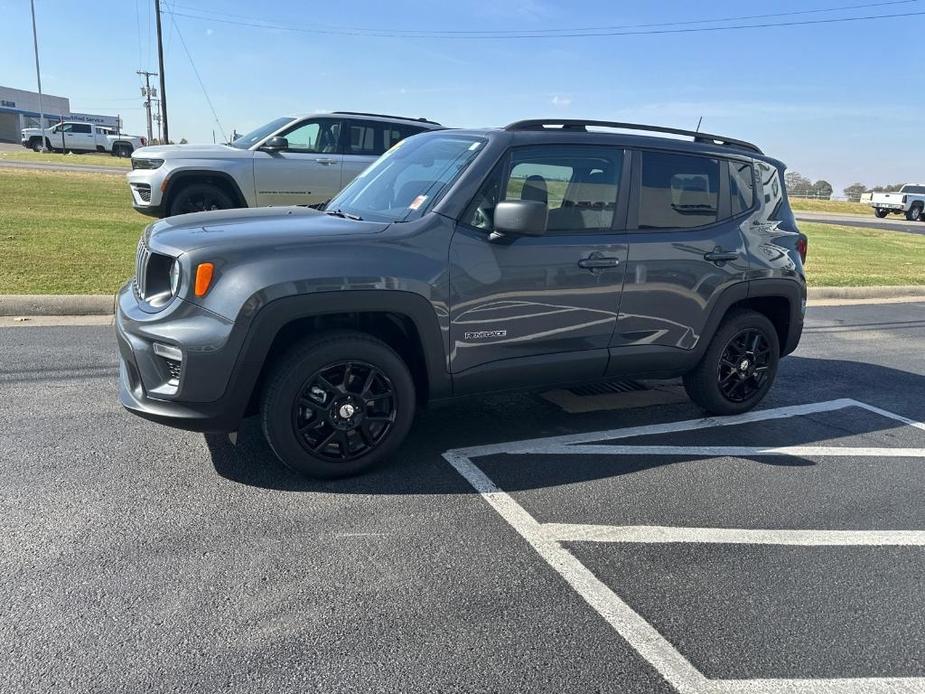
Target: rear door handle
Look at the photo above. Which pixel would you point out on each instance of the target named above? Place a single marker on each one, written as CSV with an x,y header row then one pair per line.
x,y
718,255
598,261
326,161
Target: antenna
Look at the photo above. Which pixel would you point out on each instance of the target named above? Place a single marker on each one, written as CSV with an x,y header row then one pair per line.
x,y
699,121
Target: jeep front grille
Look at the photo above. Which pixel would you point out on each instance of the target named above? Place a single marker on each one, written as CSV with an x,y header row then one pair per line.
x,y
142,256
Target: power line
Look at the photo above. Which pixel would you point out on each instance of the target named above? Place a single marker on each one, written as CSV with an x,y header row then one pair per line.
x,y
579,32
196,72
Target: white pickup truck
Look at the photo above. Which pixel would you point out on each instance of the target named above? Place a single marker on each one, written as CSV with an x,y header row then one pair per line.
x,y
909,200
72,136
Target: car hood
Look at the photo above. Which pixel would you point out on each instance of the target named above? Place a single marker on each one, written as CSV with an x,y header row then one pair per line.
x,y
193,152
258,228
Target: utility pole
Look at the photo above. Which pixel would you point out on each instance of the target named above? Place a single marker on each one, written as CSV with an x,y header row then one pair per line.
x,y
38,75
160,64
147,93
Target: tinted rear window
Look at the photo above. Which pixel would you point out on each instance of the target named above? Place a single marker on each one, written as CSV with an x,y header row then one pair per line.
x,y
678,191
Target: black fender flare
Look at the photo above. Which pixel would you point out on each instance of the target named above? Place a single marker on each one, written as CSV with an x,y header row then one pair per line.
x,y
177,177
260,330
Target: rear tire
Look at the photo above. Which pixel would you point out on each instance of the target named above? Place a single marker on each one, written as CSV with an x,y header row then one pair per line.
x,y
36,144
881,213
337,404
199,197
914,213
738,367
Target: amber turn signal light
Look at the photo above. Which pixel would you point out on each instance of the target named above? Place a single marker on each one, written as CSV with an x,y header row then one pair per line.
x,y
203,278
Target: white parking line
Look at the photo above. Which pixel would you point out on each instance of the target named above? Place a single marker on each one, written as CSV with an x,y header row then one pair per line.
x,y
572,532
546,539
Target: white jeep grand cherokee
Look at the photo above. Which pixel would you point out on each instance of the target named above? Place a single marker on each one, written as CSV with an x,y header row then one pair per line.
x,y
303,160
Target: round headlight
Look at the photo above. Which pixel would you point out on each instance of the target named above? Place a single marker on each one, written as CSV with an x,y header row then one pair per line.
x,y
174,277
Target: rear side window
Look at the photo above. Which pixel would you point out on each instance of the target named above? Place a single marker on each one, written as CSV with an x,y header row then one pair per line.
x,y
362,139
741,186
678,191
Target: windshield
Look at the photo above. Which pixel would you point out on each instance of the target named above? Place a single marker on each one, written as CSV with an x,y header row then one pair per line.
x,y
254,136
405,181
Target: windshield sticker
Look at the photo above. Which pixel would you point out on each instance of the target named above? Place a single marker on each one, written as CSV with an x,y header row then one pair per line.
x,y
417,202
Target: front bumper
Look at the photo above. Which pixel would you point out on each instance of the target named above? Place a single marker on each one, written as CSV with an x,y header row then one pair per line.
x,y
145,187
201,399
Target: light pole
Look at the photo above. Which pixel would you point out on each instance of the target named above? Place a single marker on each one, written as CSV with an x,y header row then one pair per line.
x,y
160,64
38,74
146,90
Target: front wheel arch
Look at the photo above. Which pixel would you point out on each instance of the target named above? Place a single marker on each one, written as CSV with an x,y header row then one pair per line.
x,y
177,181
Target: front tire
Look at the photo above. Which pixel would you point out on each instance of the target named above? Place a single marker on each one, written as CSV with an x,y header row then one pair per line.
x,y
337,404
739,366
199,197
881,213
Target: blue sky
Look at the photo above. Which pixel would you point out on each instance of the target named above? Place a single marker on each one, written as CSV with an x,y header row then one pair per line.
x,y
834,101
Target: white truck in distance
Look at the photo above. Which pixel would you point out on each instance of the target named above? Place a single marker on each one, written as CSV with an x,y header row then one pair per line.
x,y
910,200
72,136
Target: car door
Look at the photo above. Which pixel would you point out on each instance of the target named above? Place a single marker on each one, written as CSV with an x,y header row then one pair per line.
x,y
539,309
307,172
685,247
78,136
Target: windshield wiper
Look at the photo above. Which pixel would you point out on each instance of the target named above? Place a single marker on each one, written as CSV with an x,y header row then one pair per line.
x,y
345,215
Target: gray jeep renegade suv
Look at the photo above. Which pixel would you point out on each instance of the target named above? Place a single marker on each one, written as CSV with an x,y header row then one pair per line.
x,y
466,261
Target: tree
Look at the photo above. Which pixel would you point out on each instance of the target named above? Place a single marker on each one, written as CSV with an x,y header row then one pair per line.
x,y
890,188
822,189
854,191
183,141
798,185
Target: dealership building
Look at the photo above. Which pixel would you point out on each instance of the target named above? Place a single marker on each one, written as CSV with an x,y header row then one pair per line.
x,y
20,109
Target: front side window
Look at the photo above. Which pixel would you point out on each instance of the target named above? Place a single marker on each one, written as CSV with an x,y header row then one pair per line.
x,y
406,180
316,136
83,129
578,185
678,191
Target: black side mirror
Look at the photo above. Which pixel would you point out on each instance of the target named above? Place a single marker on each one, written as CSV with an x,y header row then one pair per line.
x,y
275,144
520,217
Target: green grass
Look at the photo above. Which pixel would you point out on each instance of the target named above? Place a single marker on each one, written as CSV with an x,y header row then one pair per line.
x,y
65,232
842,256
75,233
834,206
87,159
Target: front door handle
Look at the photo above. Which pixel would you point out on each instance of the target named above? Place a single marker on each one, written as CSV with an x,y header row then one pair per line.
x,y
326,161
598,261
718,255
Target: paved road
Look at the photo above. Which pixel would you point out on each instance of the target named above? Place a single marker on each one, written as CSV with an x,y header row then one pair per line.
x,y
871,222
86,168
139,558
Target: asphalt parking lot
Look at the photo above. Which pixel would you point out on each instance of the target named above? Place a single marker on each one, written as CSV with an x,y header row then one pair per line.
x,y
511,546
891,223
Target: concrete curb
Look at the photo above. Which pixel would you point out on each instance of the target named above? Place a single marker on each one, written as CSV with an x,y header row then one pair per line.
x,y
104,304
57,304
816,293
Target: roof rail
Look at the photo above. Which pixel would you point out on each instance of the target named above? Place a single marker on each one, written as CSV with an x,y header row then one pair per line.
x,y
385,115
581,126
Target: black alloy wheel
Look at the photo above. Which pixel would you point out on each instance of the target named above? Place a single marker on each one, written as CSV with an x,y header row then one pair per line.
x,y
344,411
744,365
739,365
200,197
337,403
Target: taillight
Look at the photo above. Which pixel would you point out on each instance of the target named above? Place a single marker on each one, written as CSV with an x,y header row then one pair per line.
x,y
802,248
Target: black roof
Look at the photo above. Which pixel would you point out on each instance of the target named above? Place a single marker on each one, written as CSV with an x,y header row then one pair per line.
x,y
385,115
577,125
